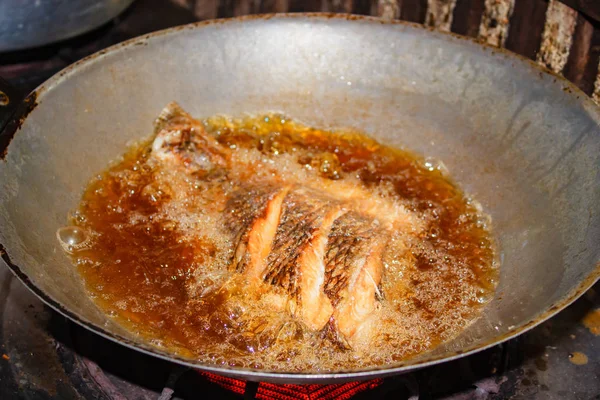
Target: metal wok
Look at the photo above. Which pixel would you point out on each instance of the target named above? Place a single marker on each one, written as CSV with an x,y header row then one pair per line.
x,y
525,143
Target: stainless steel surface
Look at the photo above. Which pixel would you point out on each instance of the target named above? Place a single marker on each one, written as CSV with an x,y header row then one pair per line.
x,y
526,144
31,23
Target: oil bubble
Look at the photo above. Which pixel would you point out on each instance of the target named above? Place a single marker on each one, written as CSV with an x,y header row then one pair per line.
x,y
72,238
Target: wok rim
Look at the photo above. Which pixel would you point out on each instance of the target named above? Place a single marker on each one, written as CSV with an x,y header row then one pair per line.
x,y
253,374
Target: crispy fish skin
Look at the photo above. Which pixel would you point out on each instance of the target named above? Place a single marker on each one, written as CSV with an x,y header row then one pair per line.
x,y
315,308
296,260
253,216
349,244
321,245
182,142
300,218
353,270
291,227
360,298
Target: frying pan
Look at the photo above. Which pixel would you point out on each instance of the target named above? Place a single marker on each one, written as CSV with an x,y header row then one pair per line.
x,y
524,143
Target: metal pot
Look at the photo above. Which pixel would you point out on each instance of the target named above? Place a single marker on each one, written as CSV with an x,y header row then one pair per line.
x,y
525,143
31,23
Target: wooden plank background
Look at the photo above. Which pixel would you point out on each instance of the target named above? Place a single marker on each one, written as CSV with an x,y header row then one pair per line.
x,y
563,36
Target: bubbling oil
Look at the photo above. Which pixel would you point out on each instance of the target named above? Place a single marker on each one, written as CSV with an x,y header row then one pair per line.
x,y
148,245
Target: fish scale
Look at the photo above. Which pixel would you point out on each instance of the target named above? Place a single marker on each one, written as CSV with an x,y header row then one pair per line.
x,y
243,208
299,219
348,241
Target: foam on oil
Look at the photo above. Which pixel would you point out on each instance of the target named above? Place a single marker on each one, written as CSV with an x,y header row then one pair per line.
x,y
148,241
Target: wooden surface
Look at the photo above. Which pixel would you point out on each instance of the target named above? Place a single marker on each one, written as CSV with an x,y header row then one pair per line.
x,y
563,36
590,8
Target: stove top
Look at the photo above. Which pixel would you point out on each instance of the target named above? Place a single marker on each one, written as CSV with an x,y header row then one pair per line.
x,y
45,356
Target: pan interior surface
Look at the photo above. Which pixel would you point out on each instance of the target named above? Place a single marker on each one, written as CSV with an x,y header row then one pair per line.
x,y
522,143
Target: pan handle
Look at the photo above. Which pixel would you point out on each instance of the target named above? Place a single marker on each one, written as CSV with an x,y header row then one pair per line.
x,y
10,99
